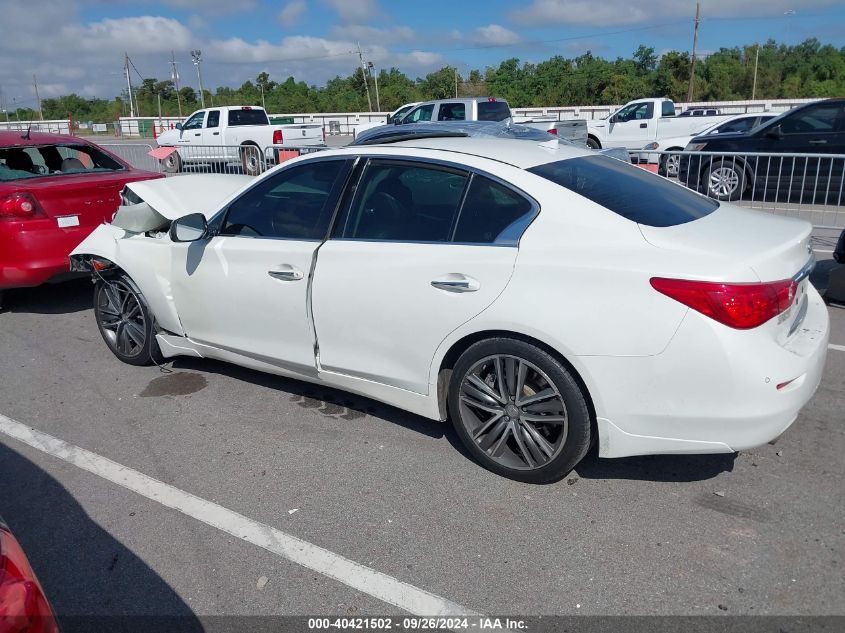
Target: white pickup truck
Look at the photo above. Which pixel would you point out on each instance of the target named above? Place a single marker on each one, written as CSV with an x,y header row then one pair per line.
x,y
234,134
638,122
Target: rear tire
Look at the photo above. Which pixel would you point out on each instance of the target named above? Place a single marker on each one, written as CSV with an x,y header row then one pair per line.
x,y
125,320
172,164
252,162
593,143
519,410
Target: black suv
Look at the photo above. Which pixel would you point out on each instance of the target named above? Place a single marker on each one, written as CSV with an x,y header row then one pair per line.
x,y
814,128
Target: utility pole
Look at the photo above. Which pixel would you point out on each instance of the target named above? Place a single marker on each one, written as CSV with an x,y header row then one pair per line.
x,y
261,86
694,46
456,82
372,70
128,83
754,85
174,77
3,105
196,57
364,72
38,98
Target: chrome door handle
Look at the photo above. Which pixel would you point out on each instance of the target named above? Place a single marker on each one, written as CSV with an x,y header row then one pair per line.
x,y
818,141
456,282
286,272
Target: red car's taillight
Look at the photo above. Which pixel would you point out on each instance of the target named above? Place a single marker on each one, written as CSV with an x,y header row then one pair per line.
x,y
740,306
553,131
19,206
23,606
277,137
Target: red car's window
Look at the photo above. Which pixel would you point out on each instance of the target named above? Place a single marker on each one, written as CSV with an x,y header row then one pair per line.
x,y
34,161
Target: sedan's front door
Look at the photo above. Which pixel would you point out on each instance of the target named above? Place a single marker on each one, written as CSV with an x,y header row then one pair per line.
x,y
420,250
245,289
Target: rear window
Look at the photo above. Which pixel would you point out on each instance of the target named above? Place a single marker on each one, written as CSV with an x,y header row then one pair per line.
x,y
18,163
248,117
493,110
627,190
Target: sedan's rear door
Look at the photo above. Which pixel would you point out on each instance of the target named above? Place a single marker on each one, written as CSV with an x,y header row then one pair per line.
x,y
420,250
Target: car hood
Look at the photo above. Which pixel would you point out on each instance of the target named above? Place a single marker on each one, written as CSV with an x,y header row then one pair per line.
x,y
167,199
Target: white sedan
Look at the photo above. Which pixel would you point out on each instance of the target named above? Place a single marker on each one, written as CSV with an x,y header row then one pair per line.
x,y
543,297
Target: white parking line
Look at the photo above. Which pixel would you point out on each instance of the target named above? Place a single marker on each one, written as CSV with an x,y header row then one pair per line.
x,y
838,348
364,579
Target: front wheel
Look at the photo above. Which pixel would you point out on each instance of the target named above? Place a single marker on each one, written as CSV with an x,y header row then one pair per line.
x,y
669,164
593,143
125,320
172,164
725,180
519,411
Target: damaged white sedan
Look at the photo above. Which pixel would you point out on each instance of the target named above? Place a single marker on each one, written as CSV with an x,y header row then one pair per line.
x,y
544,297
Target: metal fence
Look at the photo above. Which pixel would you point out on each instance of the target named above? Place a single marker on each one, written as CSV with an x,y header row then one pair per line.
x,y
207,159
807,186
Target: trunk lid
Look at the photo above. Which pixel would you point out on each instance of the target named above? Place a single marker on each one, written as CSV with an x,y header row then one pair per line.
x,y
774,247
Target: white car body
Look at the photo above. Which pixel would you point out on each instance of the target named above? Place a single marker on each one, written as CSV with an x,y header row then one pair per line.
x,y
364,316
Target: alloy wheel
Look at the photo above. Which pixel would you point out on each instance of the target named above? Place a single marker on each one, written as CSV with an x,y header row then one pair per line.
x,y
513,412
121,318
723,181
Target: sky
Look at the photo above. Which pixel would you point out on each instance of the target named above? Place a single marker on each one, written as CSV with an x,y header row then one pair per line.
x,y
78,45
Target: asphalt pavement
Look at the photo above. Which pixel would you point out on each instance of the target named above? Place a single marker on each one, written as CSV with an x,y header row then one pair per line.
x,y
755,533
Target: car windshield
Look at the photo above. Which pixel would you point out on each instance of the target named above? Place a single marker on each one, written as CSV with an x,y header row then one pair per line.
x,y
627,190
36,161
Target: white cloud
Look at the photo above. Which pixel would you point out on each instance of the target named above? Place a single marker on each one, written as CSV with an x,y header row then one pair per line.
x,y
493,35
145,34
367,34
625,12
216,7
292,13
354,11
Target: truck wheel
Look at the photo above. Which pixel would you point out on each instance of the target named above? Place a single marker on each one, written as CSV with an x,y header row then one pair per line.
x,y
725,180
593,143
172,164
251,160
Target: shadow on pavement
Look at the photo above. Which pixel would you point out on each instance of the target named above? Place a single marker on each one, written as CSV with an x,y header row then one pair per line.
x,y
64,297
664,468
93,582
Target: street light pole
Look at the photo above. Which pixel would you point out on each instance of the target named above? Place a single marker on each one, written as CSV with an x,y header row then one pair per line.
x,y
196,57
754,85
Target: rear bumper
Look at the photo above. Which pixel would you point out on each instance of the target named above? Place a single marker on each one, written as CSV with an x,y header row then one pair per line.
x,y
713,390
34,252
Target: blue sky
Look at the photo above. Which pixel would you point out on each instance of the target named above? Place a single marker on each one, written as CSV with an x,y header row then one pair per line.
x,y
78,45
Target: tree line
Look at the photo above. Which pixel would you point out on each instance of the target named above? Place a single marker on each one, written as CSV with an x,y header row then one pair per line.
x,y
808,69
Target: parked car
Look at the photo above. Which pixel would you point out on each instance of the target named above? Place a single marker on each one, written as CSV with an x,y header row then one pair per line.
x,y
835,292
23,606
641,121
668,163
234,134
813,128
470,277
700,111
839,251
54,190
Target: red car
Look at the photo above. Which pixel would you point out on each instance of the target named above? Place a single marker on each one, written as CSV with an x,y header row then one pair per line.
x,y
54,190
23,606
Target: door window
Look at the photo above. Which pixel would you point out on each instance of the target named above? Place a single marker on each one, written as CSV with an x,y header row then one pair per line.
x,y
740,125
634,111
423,113
195,122
452,112
667,109
821,118
403,201
213,118
295,203
492,214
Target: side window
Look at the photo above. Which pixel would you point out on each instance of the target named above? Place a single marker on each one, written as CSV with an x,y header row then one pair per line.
x,y
740,125
667,109
213,118
404,201
195,122
636,111
294,203
822,118
492,214
423,113
451,112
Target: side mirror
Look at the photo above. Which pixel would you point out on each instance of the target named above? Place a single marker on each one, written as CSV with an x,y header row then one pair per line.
x,y
775,133
178,126
614,119
189,228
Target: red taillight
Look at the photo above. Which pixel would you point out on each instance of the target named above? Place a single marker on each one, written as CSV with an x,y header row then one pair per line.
x,y
553,131
23,606
740,306
277,137
491,99
19,206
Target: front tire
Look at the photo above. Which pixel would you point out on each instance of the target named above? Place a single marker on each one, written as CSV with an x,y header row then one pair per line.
x,y
593,143
669,164
725,180
172,164
125,320
519,411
